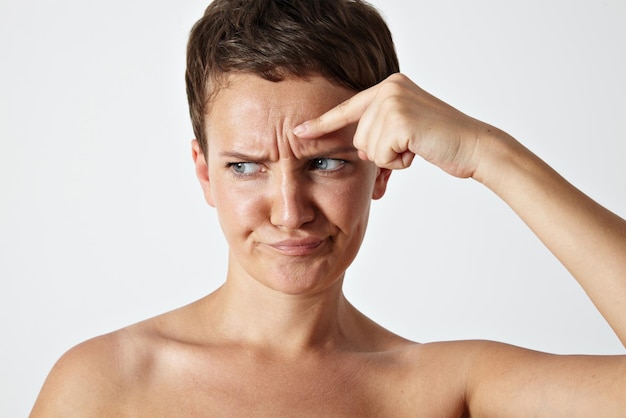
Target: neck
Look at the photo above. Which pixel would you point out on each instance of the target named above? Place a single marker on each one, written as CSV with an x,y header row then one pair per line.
x,y
246,312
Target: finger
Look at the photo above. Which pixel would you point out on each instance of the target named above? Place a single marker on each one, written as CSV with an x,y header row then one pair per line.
x,y
388,144
369,128
340,116
388,151
397,161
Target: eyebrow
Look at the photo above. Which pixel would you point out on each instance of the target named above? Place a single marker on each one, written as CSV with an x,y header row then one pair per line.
x,y
241,156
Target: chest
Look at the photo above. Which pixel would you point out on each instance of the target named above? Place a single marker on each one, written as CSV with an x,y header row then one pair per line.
x,y
342,387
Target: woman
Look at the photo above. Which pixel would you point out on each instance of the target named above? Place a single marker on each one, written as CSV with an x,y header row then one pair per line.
x,y
300,115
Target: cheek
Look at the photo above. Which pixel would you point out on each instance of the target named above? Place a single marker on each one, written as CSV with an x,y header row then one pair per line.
x,y
347,205
237,209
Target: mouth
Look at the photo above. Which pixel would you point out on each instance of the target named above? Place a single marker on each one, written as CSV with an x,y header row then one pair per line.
x,y
297,247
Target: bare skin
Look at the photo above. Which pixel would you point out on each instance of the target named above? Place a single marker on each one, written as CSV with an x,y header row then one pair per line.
x,y
280,339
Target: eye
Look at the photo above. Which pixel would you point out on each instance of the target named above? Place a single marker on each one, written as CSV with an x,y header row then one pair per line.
x,y
242,168
327,164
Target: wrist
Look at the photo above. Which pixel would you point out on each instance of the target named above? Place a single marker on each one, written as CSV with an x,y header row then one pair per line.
x,y
496,153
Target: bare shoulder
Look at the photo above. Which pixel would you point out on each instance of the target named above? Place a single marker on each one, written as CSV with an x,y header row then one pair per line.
x,y
96,377
85,380
497,379
502,379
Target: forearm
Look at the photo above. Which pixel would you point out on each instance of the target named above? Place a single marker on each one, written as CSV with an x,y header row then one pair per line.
x,y
588,240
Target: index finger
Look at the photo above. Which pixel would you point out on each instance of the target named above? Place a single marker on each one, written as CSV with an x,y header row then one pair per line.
x,y
340,116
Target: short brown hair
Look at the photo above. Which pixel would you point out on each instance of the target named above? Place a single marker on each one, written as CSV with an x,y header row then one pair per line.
x,y
345,41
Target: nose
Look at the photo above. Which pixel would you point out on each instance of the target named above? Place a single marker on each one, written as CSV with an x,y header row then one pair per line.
x,y
291,203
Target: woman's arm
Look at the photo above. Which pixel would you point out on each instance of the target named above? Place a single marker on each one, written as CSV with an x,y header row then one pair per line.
x,y
397,120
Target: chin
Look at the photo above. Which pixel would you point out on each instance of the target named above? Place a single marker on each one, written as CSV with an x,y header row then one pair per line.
x,y
300,282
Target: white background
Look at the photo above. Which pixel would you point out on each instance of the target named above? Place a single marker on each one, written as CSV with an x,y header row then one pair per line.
x,y
102,223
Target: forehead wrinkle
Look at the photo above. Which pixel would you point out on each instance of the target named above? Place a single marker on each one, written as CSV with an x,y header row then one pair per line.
x,y
284,117
246,132
257,116
269,137
333,143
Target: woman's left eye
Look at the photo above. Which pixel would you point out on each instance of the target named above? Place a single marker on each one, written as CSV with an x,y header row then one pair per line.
x,y
327,164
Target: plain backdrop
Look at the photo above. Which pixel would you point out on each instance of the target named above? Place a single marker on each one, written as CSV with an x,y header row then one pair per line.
x,y
102,222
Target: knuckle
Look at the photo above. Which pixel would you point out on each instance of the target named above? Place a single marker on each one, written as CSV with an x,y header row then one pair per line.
x,y
343,111
359,142
319,122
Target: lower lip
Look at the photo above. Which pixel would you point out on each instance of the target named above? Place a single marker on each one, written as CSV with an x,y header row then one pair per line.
x,y
297,250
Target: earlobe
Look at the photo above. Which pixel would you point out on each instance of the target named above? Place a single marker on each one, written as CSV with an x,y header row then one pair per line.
x,y
380,184
202,171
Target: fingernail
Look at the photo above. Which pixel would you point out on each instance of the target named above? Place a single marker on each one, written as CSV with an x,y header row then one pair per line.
x,y
300,129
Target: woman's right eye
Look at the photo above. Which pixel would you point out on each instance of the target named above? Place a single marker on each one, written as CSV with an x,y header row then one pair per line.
x,y
241,168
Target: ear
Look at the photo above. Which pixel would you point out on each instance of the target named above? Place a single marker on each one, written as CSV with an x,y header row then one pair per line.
x,y
380,184
202,171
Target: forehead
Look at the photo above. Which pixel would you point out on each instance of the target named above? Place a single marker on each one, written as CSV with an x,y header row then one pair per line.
x,y
245,92
252,112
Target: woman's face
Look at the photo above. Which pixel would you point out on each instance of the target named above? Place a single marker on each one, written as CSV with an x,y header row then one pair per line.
x,y
294,211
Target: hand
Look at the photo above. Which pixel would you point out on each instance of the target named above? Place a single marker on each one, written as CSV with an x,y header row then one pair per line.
x,y
398,120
